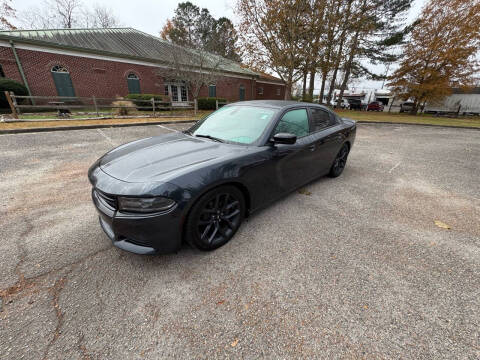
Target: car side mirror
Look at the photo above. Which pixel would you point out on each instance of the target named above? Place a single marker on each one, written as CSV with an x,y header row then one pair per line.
x,y
284,138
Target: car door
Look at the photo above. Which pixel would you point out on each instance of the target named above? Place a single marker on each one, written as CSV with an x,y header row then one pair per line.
x,y
291,163
327,139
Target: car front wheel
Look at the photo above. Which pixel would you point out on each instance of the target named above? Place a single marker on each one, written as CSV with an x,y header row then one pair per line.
x,y
215,218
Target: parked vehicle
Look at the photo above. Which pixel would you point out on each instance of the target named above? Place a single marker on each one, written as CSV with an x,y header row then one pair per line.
x,y
355,104
406,106
199,185
375,106
344,104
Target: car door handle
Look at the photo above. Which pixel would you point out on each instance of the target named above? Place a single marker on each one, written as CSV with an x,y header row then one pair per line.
x,y
312,147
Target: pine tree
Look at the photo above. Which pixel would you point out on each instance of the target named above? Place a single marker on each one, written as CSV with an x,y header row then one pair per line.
x,y
197,29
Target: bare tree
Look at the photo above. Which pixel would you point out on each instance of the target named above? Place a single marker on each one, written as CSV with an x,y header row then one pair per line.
x,y
67,14
37,18
100,17
67,11
7,13
273,34
197,68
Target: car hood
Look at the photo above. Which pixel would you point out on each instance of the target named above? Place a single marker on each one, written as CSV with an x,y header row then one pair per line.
x,y
159,158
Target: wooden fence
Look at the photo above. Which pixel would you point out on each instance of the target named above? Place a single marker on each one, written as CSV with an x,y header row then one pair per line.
x,y
66,106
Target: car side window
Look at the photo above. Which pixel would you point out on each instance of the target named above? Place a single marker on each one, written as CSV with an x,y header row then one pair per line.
x,y
321,119
294,122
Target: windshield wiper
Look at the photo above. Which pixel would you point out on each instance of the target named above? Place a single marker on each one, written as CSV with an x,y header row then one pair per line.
x,y
209,137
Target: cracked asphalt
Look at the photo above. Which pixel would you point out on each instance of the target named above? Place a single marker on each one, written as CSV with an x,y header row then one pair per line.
x,y
346,268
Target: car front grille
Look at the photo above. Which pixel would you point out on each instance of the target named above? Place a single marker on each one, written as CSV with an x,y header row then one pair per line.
x,y
110,200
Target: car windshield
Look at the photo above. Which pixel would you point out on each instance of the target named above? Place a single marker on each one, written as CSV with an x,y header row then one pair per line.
x,y
240,124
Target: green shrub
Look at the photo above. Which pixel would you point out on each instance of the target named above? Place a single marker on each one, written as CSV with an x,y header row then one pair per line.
x,y
144,101
307,98
10,85
209,103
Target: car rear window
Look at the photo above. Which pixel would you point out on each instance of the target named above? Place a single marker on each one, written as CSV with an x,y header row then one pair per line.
x,y
321,119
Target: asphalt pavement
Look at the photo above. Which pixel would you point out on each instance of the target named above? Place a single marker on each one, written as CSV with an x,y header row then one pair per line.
x,y
346,268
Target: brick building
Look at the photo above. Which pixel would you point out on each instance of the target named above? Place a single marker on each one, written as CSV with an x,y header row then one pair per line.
x,y
114,62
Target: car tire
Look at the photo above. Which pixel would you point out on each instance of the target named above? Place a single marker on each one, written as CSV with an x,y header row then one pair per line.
x,y
340,162
215,218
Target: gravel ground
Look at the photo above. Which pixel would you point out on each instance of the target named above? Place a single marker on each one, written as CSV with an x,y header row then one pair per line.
x,y
349,268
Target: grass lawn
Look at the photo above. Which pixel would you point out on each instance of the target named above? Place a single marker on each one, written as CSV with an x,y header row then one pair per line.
x,y
355,115
372,116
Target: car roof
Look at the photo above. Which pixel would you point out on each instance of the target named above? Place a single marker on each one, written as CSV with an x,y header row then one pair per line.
x,y
277,104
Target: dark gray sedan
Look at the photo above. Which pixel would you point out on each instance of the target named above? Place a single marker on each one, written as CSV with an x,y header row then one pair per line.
x,y
199,185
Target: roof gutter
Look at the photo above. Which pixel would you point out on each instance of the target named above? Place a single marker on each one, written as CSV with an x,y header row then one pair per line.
x,y
20,69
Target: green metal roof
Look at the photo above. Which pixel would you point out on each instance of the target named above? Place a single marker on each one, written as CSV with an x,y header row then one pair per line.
x,y
122,42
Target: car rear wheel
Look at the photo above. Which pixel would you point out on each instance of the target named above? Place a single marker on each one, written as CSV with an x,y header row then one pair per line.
x,y
215,218
340,162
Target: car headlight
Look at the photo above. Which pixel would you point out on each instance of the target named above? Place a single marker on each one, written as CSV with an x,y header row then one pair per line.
x,y
145,205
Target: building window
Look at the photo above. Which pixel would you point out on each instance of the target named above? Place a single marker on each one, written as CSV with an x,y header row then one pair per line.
x,y
177,90
183,93
212,90
62,80
59,69
2,74
133,83
241,93
278,92
260,91
174,90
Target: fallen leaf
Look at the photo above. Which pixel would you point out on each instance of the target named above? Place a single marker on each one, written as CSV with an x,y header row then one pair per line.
x,y
304,192
442,225
365,307
234,343
246,306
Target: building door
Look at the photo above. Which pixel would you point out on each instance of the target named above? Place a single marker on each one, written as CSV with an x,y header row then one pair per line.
x,y
133,83
241,93
178,93
63,82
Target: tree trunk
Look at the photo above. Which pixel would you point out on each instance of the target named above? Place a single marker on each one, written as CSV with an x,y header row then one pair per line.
x,y
311,84
304,88
414,110
348,65
322,88
332,85
288,90
335,71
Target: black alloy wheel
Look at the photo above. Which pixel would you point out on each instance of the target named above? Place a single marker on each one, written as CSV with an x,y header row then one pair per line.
x,y
215,218
340,162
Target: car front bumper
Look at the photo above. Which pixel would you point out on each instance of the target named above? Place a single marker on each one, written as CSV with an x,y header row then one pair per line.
x,y
140,233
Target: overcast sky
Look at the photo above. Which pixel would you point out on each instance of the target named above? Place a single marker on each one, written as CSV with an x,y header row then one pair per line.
x,y
151,15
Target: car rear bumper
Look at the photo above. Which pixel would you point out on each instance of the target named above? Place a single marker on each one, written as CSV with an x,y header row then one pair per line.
x,y
140,233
